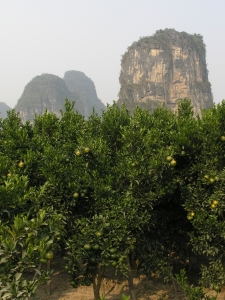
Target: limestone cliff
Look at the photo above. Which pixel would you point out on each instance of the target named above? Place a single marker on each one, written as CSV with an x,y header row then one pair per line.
x,y
49,92
163,68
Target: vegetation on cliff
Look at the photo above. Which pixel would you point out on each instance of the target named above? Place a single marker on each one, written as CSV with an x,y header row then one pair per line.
x,y
163,39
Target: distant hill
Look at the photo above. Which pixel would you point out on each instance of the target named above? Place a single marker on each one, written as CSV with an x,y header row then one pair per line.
x,y
79,84
3,110
43,92
49,92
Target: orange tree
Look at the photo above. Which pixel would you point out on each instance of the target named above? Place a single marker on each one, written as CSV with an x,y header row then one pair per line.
x,y
63,161
205,198
151,166
169,166
192,207
140,187
27,232
134,207
101,236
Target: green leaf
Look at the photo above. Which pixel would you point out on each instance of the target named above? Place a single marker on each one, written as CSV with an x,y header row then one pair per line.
x,y
38,271
17,276
124,297
6,296
24,253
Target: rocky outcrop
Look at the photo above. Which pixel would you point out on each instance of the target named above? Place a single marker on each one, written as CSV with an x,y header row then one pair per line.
x,y
49,92
161,69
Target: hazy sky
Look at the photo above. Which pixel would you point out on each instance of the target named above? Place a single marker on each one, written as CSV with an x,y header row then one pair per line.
x,y
54,36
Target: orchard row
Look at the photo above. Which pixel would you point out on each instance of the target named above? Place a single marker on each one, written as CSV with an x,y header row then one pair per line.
x,y
122,191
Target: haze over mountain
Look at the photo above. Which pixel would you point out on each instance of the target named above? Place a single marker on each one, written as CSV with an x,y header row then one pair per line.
x,y
3,110
49,92
82,86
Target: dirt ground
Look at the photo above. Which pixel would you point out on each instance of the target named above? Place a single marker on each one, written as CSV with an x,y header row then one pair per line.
x,y
112,288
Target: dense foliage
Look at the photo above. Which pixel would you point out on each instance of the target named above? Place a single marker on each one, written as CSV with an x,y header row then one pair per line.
x,y
142,191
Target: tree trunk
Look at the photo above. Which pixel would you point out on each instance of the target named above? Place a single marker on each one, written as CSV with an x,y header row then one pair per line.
x,y
49,281
36,273
130,280
97,281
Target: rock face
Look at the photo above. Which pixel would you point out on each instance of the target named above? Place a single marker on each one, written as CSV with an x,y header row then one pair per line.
x,y
164,68
3,110
49,92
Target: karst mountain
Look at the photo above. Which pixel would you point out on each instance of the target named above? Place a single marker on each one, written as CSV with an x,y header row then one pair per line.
x,y
164,68
48,92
